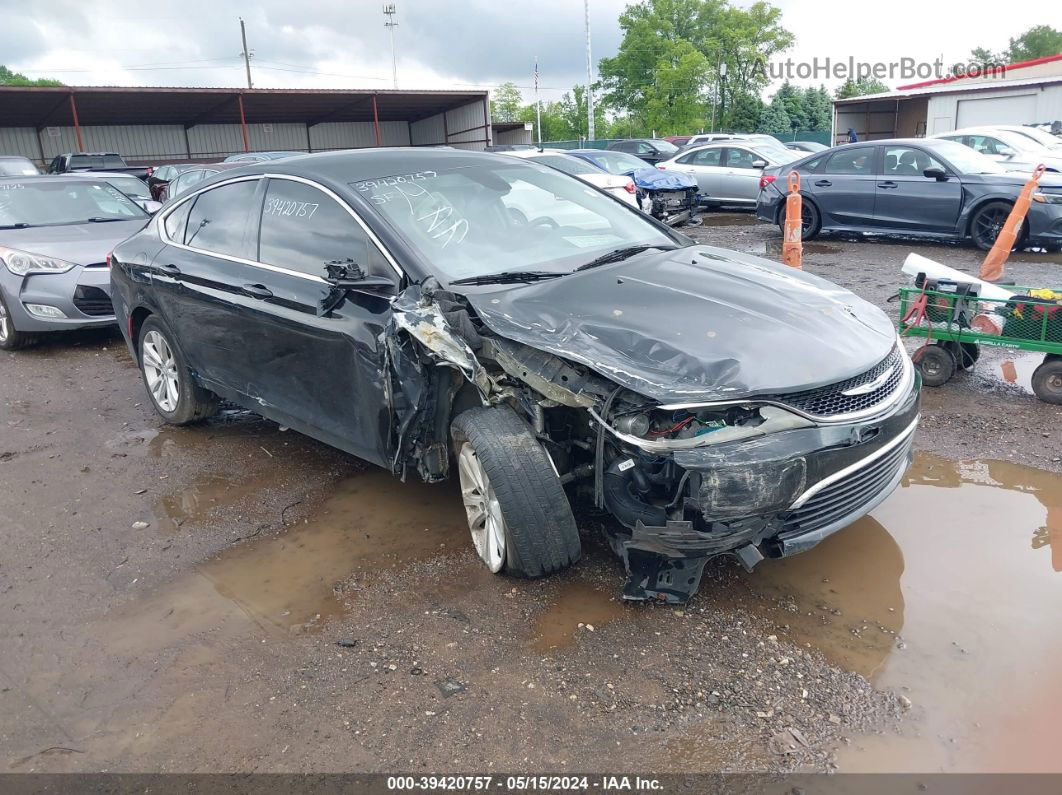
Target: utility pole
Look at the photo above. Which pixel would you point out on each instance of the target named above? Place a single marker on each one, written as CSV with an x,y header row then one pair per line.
x,y
246,53
589,75
390,24
538,107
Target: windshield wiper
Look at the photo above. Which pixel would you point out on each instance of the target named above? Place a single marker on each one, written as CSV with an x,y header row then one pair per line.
x,y
507,277
102,220
620,254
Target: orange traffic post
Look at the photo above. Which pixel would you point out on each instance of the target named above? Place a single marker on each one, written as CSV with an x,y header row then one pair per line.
x,y
992,267
792,244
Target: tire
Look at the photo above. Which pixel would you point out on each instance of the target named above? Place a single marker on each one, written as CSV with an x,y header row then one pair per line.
x,y
173,392
10,338
965,354
1047,381
936,364
530,512
987,222
810,219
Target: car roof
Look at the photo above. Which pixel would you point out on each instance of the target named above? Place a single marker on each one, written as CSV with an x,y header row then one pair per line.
x,y
101,174
15,157
94,154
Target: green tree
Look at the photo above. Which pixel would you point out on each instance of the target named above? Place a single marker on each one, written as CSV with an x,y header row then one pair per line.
x,y
743,114
675,103
791,98
818,109
775,121
9,78
1040,41
859,88
505,103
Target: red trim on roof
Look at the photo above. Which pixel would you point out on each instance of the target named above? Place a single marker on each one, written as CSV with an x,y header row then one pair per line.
x,y
944,80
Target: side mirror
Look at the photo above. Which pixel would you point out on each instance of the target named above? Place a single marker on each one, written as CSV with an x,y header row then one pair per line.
x,y
939,174
150,206
348,275
759,164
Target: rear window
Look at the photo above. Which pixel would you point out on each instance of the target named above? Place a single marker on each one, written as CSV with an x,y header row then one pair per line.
x,y
86,161
113,161
218,219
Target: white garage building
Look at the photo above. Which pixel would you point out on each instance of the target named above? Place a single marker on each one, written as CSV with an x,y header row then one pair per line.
x,y
1025,93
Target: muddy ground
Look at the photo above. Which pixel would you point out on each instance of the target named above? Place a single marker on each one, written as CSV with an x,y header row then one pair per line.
x,y
287,608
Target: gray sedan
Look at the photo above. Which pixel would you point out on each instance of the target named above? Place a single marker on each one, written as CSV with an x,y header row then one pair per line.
x,y
729,172
56,234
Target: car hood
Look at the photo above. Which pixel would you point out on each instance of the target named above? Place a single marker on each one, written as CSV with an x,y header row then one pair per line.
x,y
82,244
697,323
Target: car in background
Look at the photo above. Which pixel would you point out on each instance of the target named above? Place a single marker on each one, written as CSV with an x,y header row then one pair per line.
x,y
16,166
94,161
651,150
806,146
133,187
56,234
620,186
258,157
160,175
925,187
677,140
191,177
1011,150
668,197
708,138
511,148
728,172
389,303
1042,137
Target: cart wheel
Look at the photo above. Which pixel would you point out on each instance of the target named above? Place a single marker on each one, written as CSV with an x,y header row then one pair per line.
x,y
965,354
936,364
1047,381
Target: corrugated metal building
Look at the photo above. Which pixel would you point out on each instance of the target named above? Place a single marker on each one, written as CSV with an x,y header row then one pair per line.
x,y
157,125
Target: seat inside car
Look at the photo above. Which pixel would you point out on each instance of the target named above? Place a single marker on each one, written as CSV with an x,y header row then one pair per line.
x,y
908,163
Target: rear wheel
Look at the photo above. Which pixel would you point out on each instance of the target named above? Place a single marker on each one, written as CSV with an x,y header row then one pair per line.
x,y
936,364
174,393
1047,381
810,219
988,222
12,339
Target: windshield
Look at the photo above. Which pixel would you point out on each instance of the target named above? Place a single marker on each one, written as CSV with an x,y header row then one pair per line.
x,y
567,164
781,155
44,202
618,162
665,146
484,219
1041,137
17,167
130,186
965,160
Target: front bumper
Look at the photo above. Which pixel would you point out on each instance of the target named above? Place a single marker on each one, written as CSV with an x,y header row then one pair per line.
x,y
82,294
1045,224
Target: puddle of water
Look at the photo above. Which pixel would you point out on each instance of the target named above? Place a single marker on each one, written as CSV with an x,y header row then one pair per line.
x,y
773,248
1039,256
964,563
196,502
1015,370
728,219
576,605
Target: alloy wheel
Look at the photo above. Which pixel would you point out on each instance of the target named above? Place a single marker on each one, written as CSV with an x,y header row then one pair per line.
x,y
990,224
485,519
4,322
160,371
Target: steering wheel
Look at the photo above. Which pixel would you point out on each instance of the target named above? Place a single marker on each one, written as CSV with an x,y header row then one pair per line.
x,y
545,221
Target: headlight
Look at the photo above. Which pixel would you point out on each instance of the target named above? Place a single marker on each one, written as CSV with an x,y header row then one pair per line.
x,y
22,263
1047,198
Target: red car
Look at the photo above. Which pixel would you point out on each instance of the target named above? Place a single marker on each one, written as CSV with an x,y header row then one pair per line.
x,y
678,140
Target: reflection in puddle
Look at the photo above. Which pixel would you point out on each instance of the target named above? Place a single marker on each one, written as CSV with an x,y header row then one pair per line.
x,y
773,248
951,595
578,606
1016,370
195,503
728,219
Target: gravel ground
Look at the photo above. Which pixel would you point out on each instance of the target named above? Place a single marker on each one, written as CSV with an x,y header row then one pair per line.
x,y
260,623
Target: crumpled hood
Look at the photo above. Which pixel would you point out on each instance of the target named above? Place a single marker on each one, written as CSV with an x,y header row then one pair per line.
x,y
82,244
698,323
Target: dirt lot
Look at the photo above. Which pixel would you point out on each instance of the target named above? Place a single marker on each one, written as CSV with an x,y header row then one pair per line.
x,y
287,608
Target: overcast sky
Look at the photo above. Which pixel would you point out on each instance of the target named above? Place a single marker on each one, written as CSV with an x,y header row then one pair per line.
x,y
459,43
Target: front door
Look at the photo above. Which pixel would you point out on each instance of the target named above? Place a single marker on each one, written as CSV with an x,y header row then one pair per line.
x,y
906,199
741,180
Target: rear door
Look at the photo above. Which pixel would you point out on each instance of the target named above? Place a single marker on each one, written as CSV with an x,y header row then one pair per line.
x,y
741,180
845,187
906,199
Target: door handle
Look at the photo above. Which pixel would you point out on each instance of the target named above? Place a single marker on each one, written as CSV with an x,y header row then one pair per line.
x,y
823,183
169,270
257,291
888,184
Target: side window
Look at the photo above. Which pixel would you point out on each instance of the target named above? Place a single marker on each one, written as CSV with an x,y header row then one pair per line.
x,y
987,145
304,229
176,221
813,165
218,219
851,161
707,157
57,163
740,158
907,161
645,149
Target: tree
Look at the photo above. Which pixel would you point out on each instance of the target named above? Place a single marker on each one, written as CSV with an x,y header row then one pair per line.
x,y
818,109
1040,41
9,78
505,103
775,120
743,113
791,100
859,88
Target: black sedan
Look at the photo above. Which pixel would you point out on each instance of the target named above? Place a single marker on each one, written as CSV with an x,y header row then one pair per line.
x,y
917,186
651,150
434,311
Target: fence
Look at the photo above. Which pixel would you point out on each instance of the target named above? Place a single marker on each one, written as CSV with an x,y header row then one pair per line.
x,y
819,136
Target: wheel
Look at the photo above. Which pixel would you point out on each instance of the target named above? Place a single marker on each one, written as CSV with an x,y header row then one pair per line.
x,y
518,513
987,223
936,364
174,393
12,339
810,219
1047,381
965,354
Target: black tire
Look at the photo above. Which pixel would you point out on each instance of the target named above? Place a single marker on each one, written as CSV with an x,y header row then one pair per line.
x,y
936,364
810,219
11,339
541,537
965,354
987,222
194,404
1047,381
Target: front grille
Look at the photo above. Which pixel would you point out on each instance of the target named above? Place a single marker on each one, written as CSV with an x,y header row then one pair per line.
x,y
848,494
93,301
829,401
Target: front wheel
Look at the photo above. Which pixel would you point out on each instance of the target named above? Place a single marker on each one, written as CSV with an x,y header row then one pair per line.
x,y
936,364
175,395
11,339
518,513
988,222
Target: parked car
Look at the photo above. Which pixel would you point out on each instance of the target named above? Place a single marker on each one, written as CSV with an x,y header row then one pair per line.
x,y
926,187
677,140
651,150
1011,150
622,187
390,304
94,161
258,157
668,197
55,236
708,138
806,146
15,166
512,148
160,175
191,177
728,173
133,187
1042,137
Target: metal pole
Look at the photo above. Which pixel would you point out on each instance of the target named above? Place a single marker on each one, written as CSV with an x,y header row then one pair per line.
x,y
246,54
77,124
538,107
589,75
243,125
390,24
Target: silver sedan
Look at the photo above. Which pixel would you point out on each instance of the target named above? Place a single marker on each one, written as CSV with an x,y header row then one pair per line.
x,y
729,172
